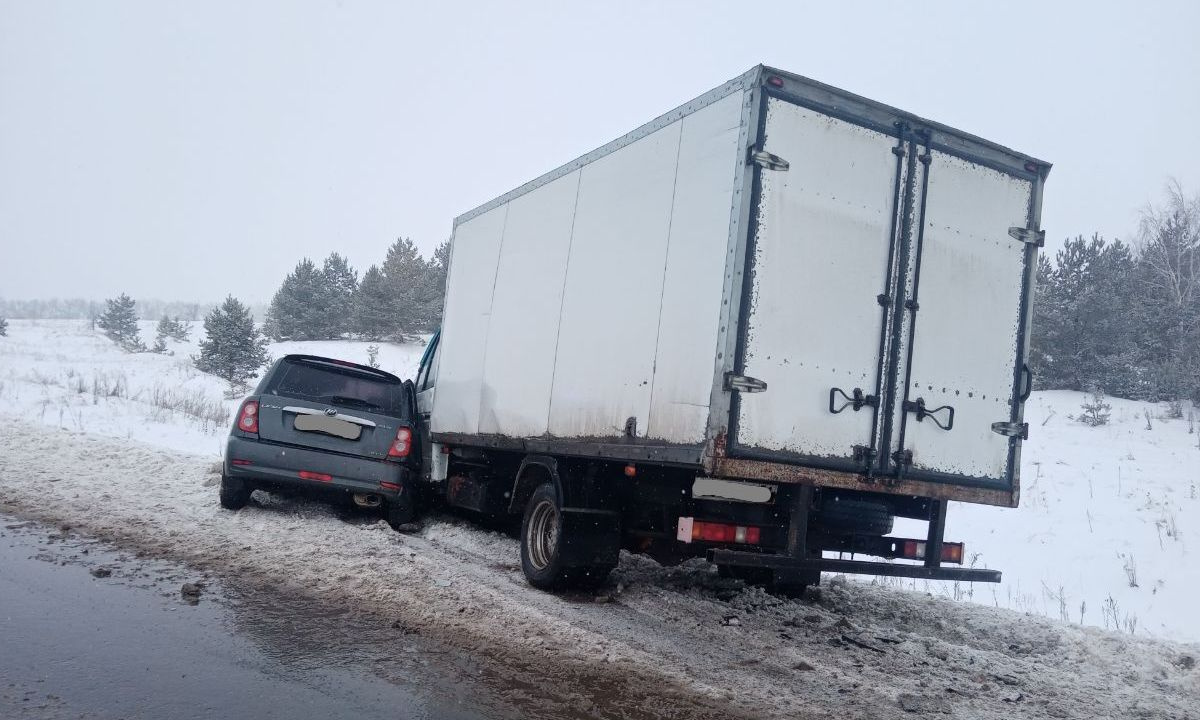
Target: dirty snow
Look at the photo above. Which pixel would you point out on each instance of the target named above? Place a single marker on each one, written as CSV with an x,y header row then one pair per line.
x,y
126,470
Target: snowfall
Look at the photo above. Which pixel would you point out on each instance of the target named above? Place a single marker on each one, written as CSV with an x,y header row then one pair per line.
x,y
1096,615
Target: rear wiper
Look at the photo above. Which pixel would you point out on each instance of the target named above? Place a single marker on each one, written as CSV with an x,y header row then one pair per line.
x,y
343,400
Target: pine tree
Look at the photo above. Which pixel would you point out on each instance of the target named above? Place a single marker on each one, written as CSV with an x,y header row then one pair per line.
x,y
434,288
374,307
177,329
1084,326
161,332
296,311
404,272
119,323
233,348
3,327
336,298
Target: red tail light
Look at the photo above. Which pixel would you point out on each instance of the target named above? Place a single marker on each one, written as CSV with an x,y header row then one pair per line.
x,y
320,477
691,530
402,445
952,552
248,417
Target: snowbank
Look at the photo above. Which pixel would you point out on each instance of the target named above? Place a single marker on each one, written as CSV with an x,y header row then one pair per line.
x,y
858,650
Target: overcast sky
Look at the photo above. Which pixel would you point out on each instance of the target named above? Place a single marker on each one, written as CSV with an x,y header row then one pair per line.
x,y
188,150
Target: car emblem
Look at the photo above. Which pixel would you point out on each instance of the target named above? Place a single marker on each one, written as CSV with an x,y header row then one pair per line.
x,y
331,411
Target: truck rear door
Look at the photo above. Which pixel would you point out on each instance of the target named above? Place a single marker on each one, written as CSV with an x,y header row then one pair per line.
x,y
886,305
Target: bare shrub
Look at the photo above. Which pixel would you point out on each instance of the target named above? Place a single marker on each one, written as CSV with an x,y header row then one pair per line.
x,y
1130,568
195,404
1175,409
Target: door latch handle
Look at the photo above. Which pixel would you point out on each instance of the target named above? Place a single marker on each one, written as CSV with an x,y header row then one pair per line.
x,y
1028,373
856,400
918,406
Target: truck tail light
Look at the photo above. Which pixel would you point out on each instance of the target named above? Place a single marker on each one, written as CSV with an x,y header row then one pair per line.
x,y
915,550
691,530
402,445
248,417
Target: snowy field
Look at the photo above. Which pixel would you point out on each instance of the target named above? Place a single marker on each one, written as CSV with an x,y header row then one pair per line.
x,y
125,446
1101,537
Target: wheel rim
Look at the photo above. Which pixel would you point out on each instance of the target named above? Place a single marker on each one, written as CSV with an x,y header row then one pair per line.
x,y
542,536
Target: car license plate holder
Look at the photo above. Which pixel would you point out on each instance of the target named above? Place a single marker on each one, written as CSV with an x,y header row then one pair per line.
x,y
329,426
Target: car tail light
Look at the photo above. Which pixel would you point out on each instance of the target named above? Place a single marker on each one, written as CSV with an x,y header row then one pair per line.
x,y
402,445
691,530
320,477
248,417
389,485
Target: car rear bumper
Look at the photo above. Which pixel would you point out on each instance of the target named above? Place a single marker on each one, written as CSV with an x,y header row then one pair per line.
x,y
282,465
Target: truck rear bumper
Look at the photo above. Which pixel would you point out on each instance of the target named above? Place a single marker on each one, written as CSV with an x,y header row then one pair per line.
x,y
859,567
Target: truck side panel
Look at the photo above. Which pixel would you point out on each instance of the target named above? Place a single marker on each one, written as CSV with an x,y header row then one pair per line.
x,y
598,278
473,258
692,286
523,329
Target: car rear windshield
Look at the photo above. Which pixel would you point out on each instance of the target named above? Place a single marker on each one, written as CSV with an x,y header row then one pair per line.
x,y
329,383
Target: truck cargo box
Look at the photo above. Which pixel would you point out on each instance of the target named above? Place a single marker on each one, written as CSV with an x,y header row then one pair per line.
x,y
777,280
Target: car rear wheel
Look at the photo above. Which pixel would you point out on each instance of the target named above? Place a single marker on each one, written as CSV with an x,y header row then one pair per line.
x,y
399,513
235,493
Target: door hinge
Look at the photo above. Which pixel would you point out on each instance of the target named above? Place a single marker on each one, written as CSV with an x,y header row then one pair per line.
x,y
856,400
742,383
865,456
1033,236
1011,429
766,160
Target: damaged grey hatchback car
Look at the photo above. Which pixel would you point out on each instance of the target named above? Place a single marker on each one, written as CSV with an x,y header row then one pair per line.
x,y
316,423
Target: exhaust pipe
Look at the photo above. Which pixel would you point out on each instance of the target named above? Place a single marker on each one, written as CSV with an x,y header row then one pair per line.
x,y
367,500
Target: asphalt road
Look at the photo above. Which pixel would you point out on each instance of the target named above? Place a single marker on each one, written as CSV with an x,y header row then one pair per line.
x,y
88,632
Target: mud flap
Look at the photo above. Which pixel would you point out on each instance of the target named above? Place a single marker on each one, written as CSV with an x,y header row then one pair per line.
x,y
589,537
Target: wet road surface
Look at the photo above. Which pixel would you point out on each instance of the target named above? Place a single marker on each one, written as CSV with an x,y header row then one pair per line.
x,y
79,642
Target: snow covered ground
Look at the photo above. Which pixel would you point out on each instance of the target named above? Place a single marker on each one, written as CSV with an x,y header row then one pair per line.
x,y
1102,536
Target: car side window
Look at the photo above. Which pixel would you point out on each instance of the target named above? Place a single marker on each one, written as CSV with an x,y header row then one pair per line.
x,y
427,372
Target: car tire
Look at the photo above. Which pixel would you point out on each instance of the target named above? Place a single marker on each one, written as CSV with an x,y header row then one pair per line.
x,y
399,513
235,493
854,517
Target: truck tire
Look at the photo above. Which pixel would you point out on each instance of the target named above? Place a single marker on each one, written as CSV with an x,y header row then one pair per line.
x,y
542,540
854,517
235,493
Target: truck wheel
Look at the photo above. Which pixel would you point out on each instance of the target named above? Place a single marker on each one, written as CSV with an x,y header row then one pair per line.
x,y
541,539
235,493
859,517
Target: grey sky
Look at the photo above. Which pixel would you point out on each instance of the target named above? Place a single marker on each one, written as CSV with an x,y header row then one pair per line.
x,y
188,150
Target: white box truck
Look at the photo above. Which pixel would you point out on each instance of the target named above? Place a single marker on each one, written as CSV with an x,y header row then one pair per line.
x,y
758,327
